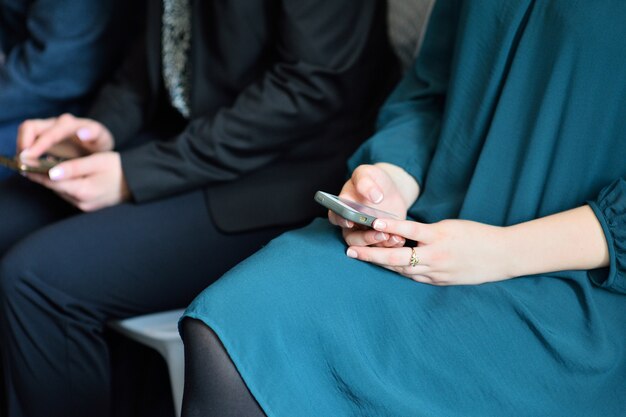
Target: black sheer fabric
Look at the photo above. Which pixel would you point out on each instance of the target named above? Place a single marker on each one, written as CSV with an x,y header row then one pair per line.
x,y
213,386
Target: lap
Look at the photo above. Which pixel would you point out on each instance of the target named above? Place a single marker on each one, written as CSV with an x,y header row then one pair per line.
x,y
27,207
355,333
131,259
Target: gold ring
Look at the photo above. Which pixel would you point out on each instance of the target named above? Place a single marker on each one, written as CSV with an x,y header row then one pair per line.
x,y
414,259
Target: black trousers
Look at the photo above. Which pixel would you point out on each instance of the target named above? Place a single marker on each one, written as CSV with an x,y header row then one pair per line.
x,y
64,275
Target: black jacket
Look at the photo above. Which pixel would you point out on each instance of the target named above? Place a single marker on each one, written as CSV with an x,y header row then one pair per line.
x,y
282,92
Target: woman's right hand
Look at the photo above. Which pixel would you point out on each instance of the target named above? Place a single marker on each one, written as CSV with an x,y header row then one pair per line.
x,y
382,186
65,136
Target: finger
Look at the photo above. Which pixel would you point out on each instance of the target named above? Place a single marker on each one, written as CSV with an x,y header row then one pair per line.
x,y
90,135
54,186
74,189
89,132
29,130
422,279
409,271
37,178
419,269
69,199
63,128
365,238
81,204
387,256
60,187
339,221
76,168
419,232
366,186
394,242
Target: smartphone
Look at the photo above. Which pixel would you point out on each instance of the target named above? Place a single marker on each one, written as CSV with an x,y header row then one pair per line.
x,y
38,165
351,210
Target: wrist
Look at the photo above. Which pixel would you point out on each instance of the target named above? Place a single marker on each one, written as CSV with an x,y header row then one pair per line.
x,y
512,264
570,240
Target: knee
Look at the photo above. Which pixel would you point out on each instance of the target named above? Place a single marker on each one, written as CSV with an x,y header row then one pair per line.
x,y
192,331
14,276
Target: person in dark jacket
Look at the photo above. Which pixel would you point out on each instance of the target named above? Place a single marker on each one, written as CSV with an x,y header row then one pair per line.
x,y
54,54
211,140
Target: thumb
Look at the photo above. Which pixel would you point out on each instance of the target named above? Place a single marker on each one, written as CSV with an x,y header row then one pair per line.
x,y
90,131
76,168
94,136
86,134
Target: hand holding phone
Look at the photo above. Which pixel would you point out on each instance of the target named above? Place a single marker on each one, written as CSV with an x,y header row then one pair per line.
x,y
351,210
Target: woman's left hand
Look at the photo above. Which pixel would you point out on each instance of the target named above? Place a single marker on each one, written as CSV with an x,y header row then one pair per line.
x,y
450,252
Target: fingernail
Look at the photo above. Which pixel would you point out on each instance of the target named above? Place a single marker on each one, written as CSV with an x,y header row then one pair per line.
x,y
380,236
351,253
25,154
376,196
56,173
84,134
395,239
379,224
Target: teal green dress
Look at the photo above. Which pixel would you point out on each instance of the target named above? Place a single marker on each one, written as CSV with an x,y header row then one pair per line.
x,y
514,110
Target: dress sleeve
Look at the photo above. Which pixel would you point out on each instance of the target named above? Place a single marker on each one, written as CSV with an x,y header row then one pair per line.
x,y
610,208
409,122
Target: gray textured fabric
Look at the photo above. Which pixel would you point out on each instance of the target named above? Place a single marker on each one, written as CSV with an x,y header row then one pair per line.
x,y
407,22
176,42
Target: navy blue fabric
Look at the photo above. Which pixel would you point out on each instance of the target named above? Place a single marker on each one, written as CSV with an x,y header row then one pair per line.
x,y
64,275
8,133
56,52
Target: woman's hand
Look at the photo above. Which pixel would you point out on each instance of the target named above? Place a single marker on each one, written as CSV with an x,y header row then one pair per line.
x,y
382,186
451,252
89,183
65,136
458,252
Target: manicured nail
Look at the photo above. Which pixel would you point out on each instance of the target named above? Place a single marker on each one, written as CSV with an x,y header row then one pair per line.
x,y
84,134
352,253
56,173
25,154
379,224
395,239
380,236
376,196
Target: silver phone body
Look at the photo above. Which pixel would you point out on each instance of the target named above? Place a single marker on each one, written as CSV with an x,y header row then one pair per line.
x,y
351,210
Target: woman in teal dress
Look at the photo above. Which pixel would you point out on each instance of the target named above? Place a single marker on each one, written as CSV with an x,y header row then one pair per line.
x,y
506,143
